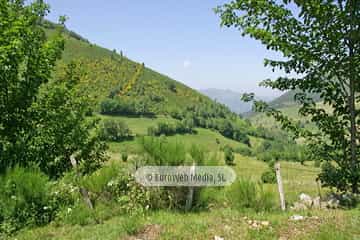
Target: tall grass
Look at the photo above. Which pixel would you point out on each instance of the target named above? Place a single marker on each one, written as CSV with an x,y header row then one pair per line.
x,y
162,152
245,194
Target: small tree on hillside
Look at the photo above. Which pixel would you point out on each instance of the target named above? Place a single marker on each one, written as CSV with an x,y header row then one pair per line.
x,y
228,155
320,43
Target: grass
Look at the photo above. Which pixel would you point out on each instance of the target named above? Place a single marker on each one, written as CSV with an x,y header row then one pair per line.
x,y
227,223
204,137
224,221
139,125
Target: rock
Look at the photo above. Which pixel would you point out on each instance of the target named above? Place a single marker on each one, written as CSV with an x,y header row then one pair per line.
x,y
265,223
255,225
306,199
297,218
333,203
218,238
227,228
316,203
298,206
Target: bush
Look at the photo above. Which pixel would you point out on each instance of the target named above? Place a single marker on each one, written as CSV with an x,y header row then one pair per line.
x,y
131,225
169,129
228,155
125,106
268,176
245,194
162,152
24,199
114,130
245,151
97,182
124,157
79,214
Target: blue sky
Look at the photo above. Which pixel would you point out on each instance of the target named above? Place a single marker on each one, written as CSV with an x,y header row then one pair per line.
x,y
181,39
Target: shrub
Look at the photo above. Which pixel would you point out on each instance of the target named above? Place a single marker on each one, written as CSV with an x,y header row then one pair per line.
x,y
228,155
79,214
245,194
266,157
114,130
24,199
124,157
97,182
125,106
161,152
131,225
197,154
169,129
245,151
268,176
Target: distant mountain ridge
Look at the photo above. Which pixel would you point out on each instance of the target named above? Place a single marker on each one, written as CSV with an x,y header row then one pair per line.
x,y
231,99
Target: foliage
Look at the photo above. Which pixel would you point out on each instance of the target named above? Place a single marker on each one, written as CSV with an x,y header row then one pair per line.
x,y
268,176
162,152
168,129
320,42
27,59
114,130
245,194
125,106
228,155
24,199
132,224
124,157
78,214
281,150
245,151
62,128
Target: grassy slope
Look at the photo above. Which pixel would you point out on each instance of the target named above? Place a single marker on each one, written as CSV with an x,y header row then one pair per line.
x,y
107,69
292,111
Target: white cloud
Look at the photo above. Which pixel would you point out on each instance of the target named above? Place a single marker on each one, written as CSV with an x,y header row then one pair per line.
x,y
187,63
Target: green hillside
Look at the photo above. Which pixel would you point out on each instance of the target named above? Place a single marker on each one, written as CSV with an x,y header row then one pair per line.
x,y
111,74
288,99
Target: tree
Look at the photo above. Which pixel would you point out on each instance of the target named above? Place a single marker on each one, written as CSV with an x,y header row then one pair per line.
x,y
61,128
27,59
320,43
228,155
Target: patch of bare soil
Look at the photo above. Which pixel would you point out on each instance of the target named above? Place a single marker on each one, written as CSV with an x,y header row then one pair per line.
x,y
294,229
149,232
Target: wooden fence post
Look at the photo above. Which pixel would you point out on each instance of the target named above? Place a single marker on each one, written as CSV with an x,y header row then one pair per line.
x,y
280,186
84,193
190,195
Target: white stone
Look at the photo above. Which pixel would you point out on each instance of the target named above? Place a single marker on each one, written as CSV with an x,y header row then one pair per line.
x,y
297,218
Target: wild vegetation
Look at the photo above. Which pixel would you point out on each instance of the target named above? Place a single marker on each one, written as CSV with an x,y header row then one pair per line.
x,y
326,63
78,120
